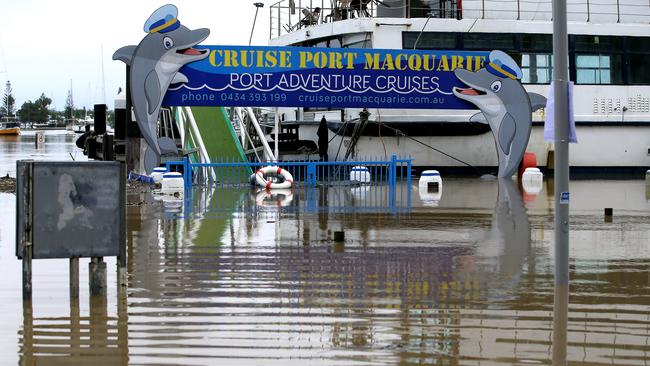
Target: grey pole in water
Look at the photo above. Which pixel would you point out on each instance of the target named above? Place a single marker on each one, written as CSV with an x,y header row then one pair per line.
x,y
561,113
561,81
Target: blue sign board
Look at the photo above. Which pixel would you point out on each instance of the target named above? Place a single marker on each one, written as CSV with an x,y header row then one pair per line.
x,y
324,77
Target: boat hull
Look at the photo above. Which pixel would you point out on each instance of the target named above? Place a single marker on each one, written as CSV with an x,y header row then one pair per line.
x,y
10,131
607,148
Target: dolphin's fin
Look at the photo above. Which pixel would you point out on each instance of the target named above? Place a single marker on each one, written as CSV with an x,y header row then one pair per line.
x,y
179,78
507,130
125,54
537,101
478,118
152,91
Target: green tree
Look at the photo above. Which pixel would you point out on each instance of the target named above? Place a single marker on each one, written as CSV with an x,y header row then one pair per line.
x,y
37,111
8,107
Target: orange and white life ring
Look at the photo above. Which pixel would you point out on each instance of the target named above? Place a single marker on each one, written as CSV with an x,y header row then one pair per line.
x,y
262,180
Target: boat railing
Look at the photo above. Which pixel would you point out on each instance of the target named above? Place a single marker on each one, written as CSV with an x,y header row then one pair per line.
x,y
287,16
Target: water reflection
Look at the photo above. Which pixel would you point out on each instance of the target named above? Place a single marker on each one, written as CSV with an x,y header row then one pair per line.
x,y
469,281
75,339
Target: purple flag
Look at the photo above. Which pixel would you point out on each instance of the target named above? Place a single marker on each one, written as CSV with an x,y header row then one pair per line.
x,y
549,123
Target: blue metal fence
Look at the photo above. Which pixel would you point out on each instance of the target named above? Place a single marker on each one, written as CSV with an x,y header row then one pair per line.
x,y
334,186
304,172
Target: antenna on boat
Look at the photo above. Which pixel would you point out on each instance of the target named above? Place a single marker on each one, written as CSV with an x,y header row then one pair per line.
x,y
415,45
258,5
3,59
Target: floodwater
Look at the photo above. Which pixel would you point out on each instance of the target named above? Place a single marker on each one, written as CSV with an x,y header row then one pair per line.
x,y
464,280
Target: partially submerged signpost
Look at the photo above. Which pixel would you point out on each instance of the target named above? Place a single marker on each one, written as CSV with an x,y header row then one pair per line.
x,y
71,210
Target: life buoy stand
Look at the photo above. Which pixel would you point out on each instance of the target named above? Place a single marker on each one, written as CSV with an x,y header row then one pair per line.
x,y
262,180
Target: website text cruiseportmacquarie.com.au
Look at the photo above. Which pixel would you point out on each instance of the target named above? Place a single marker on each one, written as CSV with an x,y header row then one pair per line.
x,y
258,97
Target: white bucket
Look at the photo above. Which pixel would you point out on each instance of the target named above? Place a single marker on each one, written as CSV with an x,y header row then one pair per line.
x,y
172,183
532,180
430,188
360,175
157,174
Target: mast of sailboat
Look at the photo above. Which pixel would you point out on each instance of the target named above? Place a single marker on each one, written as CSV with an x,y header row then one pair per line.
x,y
103,78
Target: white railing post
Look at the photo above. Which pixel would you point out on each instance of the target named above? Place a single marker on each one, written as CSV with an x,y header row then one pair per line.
x,y
258,129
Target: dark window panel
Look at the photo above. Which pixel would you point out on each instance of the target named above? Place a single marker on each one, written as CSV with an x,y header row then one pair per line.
x,y
489,41
639,72
598,43
537,42
638,44
429,40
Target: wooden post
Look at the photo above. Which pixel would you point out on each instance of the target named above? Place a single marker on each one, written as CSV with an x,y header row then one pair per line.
x,y
74,280
28,235
75,319
97,276
28,334
121,259
27,273
133,135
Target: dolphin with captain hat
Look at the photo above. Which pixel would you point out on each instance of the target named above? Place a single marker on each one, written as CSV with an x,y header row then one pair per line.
x,y
154,65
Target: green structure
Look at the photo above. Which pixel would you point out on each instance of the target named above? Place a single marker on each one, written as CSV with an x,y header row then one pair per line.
x,y
216,134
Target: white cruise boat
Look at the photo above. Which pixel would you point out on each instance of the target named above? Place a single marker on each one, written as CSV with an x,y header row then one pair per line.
x,y
609,58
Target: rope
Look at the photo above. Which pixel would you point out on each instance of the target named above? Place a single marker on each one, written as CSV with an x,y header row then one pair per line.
x,y
398,132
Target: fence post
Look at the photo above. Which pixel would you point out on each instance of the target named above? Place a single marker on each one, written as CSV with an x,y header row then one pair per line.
x,y
392,180
408,183
310,180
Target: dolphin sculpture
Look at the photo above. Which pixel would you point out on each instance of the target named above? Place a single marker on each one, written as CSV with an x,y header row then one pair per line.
x,y
505,106
154,66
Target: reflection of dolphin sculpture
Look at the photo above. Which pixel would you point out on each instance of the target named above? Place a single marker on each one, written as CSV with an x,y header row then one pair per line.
x,y
505,106
154,66
510,233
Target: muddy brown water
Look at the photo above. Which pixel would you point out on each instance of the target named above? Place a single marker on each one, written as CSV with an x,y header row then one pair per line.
x,y
467,280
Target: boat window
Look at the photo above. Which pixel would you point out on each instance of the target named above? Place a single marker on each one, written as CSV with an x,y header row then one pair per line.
x,y
599,44
429,41
638,44
359,44
433,8
536,68
638,60
639,72
536,42
333,43
599,69
489,41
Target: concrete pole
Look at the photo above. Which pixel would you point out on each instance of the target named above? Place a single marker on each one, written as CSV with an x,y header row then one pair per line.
x,y
561,80
561,111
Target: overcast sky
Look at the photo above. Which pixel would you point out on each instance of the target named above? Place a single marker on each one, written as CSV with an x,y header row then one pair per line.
x,y
45,44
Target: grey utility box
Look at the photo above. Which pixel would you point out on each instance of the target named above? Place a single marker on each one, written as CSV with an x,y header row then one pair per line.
x,y
70,209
